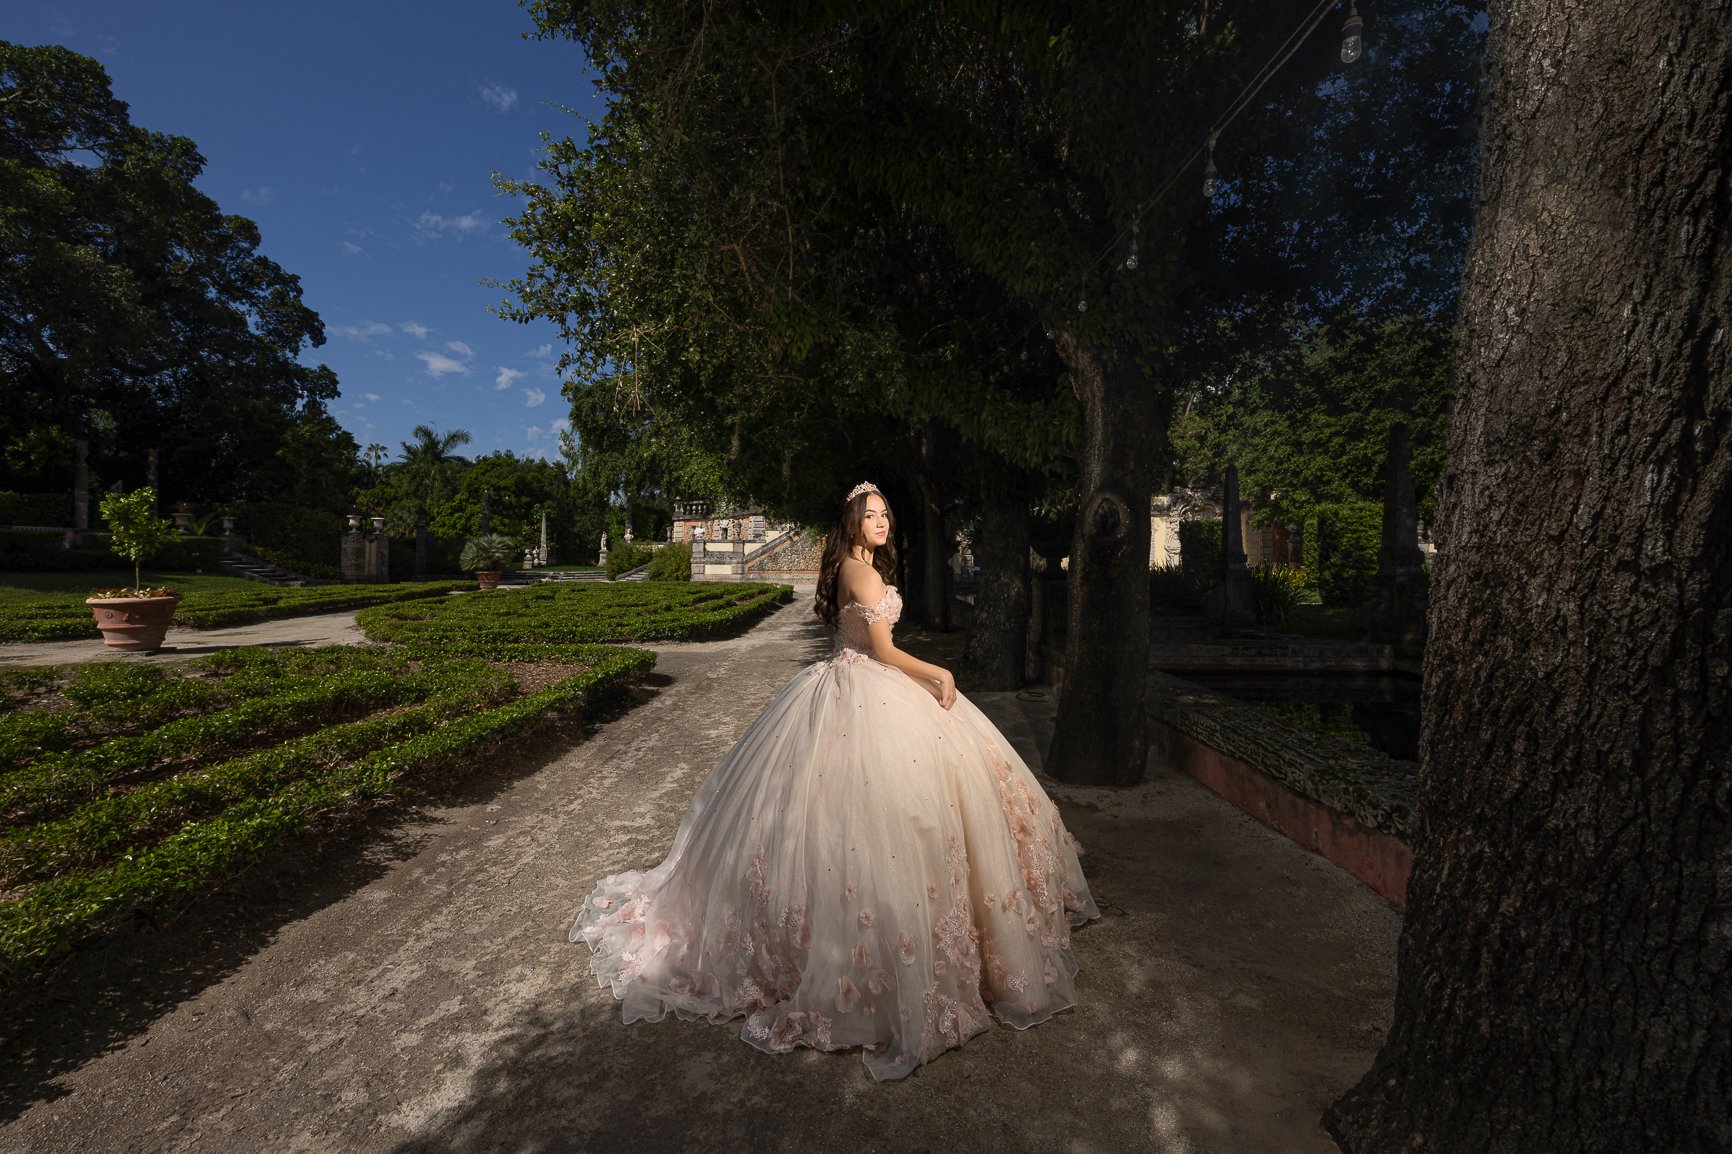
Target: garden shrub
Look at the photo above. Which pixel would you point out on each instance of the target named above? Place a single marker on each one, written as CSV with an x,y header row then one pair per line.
x,y
1275,590
1172,589
672,563
628,555
311,536
47,553
285,560
1341,545
1200,552
49,509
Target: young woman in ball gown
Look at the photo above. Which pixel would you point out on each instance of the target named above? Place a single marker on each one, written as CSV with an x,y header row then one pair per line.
x,y
870,865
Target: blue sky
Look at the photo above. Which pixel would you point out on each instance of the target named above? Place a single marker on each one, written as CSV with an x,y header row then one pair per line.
x,y
360,137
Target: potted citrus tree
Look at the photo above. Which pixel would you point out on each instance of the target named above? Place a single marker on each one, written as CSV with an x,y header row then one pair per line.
x,y
134,618
487,557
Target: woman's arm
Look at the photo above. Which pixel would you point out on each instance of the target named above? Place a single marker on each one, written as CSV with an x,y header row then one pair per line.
x,y
863,584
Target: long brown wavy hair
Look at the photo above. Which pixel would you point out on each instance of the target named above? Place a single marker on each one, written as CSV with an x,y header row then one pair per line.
x,y
843,537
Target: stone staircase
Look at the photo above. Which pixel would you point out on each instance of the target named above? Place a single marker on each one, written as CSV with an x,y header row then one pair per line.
x,y
253,569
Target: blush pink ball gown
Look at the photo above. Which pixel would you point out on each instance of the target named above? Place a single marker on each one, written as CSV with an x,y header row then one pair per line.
x,y
863,868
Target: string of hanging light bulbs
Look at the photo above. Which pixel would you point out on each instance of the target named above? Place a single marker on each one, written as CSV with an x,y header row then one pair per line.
x,y
1352,47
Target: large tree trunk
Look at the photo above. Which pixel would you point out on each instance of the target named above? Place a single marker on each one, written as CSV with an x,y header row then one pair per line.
x,y
934,544
1566,962
1102,731
995,652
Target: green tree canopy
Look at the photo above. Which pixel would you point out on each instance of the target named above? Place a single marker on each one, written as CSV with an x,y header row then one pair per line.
x,y
134,313
1308,421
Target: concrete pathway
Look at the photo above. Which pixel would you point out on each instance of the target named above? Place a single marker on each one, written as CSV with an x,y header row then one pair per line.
x,y
185,644
422,995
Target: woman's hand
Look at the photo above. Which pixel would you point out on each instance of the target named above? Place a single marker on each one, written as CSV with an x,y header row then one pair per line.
x,y
944,688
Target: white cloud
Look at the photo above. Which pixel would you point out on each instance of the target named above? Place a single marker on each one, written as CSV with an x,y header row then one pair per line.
x,y
433,225
533,397
350,248
559,426
460,349
415,329
261,195
542,351
365,331
499,97
506,377
371,396
438,364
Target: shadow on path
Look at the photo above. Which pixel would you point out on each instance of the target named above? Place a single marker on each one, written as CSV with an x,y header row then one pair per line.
x,y
110,990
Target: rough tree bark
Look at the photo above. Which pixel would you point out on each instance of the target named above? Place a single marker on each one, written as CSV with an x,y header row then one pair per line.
x,y
1102,736
995,652
1566,962
934,602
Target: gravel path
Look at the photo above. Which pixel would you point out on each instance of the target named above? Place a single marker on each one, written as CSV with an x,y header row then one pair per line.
x,y
417,992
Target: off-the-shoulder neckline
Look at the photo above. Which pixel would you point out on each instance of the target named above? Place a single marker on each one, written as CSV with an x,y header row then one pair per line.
x,y
862,606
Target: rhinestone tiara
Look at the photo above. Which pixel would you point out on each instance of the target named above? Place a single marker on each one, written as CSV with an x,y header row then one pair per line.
x,y
862,487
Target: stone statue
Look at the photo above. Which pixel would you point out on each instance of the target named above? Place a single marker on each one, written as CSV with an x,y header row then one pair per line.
x,y
604,541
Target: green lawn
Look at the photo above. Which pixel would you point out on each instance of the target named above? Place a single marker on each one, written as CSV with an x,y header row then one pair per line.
x,y
1327,623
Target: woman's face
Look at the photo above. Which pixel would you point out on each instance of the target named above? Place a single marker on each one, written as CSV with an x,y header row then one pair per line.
x,y
874,522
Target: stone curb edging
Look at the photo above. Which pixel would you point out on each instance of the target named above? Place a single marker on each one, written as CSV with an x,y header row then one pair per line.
x,y
1350,804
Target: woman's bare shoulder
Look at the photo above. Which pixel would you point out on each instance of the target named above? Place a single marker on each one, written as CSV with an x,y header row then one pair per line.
x,y
861,581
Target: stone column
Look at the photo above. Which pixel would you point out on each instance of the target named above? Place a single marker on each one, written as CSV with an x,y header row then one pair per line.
x,y
228,536
1235,594
378,553
1396,610
354,550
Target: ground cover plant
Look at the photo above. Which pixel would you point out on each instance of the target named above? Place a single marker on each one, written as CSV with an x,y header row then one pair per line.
x,y
55,611
646,611
129,787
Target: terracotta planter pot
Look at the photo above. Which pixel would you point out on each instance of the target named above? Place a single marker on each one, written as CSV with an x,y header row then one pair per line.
x,y
135,624
488,580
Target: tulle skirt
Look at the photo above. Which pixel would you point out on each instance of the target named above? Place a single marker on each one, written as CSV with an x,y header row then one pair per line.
x,y
863,868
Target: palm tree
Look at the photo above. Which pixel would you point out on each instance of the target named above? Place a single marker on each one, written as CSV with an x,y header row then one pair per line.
x,y
431,469
375,456
432,466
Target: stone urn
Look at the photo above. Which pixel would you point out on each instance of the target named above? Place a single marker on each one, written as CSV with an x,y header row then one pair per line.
x,y
135,624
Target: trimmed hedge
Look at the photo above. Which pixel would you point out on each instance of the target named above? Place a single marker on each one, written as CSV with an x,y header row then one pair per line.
x,y
1341,544
647,611
100,848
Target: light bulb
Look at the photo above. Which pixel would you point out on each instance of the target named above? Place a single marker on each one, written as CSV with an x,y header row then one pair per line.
x,y
1131,259
1352,40
1211,180
1082,304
